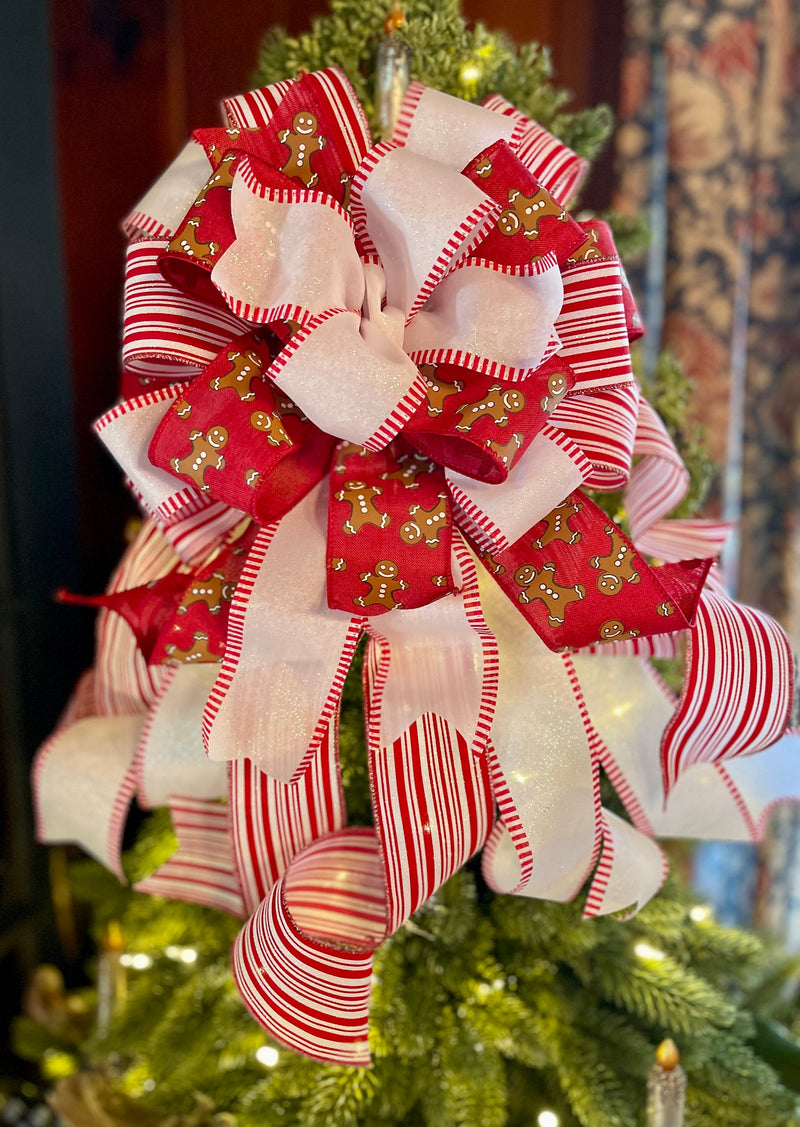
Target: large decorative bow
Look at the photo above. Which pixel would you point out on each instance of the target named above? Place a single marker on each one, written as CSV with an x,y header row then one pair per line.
x,y
403,361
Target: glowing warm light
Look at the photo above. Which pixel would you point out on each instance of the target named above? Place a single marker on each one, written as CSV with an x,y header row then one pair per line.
x,y
645,951
140,961
547,1119
188,955
267,1056
172,952
699,913
470,72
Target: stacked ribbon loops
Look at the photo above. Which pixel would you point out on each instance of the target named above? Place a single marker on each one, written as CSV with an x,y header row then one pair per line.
x,y
379,377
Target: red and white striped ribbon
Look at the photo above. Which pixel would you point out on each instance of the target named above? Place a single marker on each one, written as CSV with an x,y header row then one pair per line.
x,y
555,166
166,334
592,326
433,808
603,425
659,481
274,821
738,688
124,683
308,993
255,109
201,870
630,706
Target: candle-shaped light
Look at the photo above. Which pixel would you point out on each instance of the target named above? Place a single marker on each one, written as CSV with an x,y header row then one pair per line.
x,y
111,978
666,1088
392,72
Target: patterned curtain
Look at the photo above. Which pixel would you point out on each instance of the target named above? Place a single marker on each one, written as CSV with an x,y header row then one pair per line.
x,y
708,146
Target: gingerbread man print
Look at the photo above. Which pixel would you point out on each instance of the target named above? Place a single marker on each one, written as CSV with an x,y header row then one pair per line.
x,y
541,585
197,652
614,631
383,586
222,177
426,525
496,405
244,368
302,142
212,592
363,510
506,452
556,390
558,527
436,391
587,250
617,567
526,212
347,450
409,468
205,455
272,427
187,241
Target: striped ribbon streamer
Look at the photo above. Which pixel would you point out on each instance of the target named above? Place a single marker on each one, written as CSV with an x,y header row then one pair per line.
x,y
659,481
738,690
273,821
202,869
124,682
303,961
592,326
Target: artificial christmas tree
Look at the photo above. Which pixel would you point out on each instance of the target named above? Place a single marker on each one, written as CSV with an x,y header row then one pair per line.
x,y
338,305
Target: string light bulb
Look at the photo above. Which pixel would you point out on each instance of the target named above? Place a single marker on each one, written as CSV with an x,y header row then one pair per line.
x,y
648,953
547,1118
699,913
268,1056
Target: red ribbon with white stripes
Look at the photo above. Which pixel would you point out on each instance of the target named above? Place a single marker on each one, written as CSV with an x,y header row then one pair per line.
x,y
377,378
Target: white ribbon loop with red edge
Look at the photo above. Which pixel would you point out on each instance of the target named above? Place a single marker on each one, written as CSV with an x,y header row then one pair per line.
x,y
164,205
293,256
497,515
500,319
99,748
449,130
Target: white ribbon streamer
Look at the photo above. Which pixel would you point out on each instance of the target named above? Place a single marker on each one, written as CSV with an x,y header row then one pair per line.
x,y
283,667
171,759
542,749
435,663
